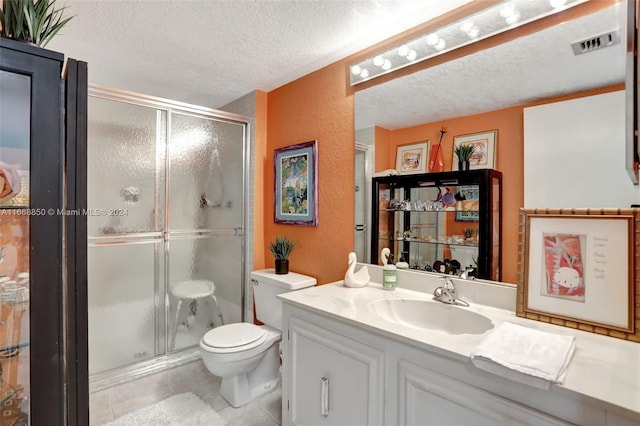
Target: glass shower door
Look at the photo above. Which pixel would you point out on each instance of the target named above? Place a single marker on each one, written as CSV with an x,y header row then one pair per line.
x,y
126,157
205,223
165,196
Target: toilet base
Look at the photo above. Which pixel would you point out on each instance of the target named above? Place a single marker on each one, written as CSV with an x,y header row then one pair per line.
x,y
244,388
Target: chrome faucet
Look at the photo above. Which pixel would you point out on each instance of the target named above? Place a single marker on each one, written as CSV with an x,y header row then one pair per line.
x,y
447,293
464,275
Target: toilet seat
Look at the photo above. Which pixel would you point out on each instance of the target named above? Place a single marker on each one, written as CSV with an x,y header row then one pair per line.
x,y
234,337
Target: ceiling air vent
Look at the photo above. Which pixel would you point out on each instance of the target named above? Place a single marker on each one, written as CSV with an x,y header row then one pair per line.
x,y
596,43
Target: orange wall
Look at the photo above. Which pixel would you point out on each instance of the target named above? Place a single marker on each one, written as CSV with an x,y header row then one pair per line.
x,y
509,160
316,107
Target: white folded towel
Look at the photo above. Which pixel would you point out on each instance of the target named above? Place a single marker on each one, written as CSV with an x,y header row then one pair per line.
x,y
529,356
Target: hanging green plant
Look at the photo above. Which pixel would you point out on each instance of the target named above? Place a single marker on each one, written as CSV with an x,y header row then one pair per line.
x,y
34,21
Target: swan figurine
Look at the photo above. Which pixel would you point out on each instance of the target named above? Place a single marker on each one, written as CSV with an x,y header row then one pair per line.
x,y
384,255
353,278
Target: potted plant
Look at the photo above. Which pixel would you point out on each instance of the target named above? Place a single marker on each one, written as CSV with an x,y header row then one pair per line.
x,y
464,153
33,21
281,249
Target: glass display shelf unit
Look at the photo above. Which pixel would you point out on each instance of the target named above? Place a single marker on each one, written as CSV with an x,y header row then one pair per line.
x,y
443,222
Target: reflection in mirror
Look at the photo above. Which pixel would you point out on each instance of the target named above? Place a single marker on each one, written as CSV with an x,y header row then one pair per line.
x,y
506,88
363,168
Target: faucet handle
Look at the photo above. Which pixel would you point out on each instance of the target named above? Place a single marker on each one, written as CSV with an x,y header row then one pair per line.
x,y
448,285
464,275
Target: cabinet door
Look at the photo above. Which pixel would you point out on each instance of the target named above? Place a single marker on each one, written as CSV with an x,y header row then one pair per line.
x,y
429,398
333,380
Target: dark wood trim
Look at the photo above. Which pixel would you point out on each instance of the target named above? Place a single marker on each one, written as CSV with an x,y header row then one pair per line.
x,y
45,230
76,310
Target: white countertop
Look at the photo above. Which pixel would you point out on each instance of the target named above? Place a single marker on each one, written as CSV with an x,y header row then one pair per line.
x,y
604,369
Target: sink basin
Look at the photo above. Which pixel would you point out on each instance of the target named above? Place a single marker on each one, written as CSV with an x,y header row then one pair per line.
x,y
431,315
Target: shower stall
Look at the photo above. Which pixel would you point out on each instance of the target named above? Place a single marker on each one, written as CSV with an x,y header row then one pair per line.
x,y
166,220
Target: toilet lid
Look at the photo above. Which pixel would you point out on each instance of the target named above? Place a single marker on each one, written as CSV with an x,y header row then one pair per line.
x,y
233,335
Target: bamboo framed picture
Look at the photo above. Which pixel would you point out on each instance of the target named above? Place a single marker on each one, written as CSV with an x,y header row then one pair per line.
x,y
576,268
296,184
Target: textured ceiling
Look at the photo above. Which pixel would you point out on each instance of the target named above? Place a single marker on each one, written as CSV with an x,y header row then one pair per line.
x,y
212,52
535,67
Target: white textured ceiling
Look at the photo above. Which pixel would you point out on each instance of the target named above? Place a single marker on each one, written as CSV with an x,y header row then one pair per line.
x,y
212,52
530,68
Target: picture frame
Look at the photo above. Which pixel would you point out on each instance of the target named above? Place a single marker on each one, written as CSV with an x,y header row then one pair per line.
x,y
577,268
296,184
470,205
412,158
485,155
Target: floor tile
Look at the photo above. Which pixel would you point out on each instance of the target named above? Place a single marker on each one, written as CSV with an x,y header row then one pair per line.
x,y
111,403
247,415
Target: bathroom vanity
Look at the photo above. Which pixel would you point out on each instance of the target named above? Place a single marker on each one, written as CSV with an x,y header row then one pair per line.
x,y
366,356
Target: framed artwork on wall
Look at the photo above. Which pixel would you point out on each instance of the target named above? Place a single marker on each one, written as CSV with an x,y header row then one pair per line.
x,y
484,156
296,184
576,268
469,203
412,158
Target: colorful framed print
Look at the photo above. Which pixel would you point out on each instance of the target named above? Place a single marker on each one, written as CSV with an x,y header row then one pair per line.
x,y
296,184
469,196
484,156
576,268
412,158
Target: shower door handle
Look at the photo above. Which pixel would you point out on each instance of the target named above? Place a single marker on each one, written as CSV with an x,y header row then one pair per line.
x,y
361,227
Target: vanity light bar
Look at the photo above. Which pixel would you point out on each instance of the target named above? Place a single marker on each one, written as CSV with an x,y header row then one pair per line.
x,y
485,23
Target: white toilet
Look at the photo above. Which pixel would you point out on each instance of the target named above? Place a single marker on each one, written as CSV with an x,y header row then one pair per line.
x,y
245,355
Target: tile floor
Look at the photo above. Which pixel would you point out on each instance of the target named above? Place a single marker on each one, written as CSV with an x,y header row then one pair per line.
x,y
108,404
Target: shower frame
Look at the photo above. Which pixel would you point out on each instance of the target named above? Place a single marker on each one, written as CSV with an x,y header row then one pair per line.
x,y
169,359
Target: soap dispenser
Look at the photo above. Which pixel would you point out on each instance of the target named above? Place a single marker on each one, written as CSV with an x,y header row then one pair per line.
x,y
389,278
402,263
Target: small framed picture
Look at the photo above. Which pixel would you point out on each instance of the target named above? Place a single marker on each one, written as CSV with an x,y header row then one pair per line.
x,y
296,184
484,155
576,269
412,158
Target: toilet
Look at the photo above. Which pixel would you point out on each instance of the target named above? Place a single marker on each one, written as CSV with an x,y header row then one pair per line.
x,y
245,355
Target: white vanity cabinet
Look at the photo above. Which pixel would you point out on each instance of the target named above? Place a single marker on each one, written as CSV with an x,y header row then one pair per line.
x,y
332,379
427,398
339,372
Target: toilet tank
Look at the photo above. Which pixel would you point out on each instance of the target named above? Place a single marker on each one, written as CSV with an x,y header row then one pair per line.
x,y
266,287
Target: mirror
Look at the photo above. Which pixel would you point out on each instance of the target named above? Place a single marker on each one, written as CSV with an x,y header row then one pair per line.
x,y
497,89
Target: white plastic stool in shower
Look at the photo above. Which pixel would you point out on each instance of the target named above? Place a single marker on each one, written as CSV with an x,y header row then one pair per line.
x,y
192,290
